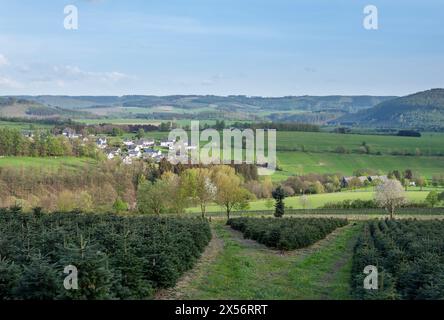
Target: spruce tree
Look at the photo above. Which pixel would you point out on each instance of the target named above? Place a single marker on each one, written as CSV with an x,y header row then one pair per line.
x,y
279,196
94,276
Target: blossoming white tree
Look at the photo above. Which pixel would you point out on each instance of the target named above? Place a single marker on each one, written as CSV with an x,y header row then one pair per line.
x,y
390,195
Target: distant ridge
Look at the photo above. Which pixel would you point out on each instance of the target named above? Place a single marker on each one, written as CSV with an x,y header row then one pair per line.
x,y
423,110
308,103
15,107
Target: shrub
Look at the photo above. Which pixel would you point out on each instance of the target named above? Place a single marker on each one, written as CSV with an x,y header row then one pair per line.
x,y
286,234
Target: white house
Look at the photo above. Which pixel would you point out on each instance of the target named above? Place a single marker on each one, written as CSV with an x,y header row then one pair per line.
x,y
128,143
150,153
134,147
167,143
70,133
134,154
112,153
101,143
143,143
110,156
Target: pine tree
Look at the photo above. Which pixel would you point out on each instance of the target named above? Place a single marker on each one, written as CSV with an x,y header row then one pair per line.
x,y
279,196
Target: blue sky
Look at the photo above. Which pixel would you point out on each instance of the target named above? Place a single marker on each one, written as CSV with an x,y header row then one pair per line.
x,y
251,47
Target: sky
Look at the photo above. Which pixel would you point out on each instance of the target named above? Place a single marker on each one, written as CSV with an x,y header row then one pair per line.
x,y
222,47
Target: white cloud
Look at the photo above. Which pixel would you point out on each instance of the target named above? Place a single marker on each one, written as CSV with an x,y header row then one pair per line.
x,y
3,61
74,73
60,79
9,83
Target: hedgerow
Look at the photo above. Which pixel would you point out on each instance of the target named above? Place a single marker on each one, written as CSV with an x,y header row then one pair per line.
x,y
288,233
409,255
117,257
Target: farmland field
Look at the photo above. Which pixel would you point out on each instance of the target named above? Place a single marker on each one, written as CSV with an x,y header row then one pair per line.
x,y
429,143
235,268
319,200
302,163
120,121
23,125
409,256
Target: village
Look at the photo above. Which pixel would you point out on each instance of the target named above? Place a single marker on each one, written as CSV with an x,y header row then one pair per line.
x,y
129,150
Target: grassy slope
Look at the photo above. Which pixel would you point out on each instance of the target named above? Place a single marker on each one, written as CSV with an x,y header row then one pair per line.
x,y
322,141
51,163
302,163
246,270
23,125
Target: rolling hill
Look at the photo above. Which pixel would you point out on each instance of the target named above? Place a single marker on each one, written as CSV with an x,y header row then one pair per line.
x,y
11,107
311,109
422,110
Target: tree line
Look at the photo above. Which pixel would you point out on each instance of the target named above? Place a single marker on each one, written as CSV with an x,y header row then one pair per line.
x,y
43,144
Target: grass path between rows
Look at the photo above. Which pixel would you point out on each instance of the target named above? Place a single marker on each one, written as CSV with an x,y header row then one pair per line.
x,y
236,268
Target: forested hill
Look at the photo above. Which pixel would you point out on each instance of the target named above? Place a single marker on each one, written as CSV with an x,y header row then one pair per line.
x,y
12,107
422,110
245,103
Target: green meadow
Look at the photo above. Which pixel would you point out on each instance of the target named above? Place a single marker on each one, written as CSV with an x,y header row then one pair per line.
x,y
300,163
428,144
23,125
318,200
46,163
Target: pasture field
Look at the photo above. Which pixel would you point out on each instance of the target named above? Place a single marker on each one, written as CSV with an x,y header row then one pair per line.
x,y
429,143
23,125
318,200
121,121
298,163
135,121
46,163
